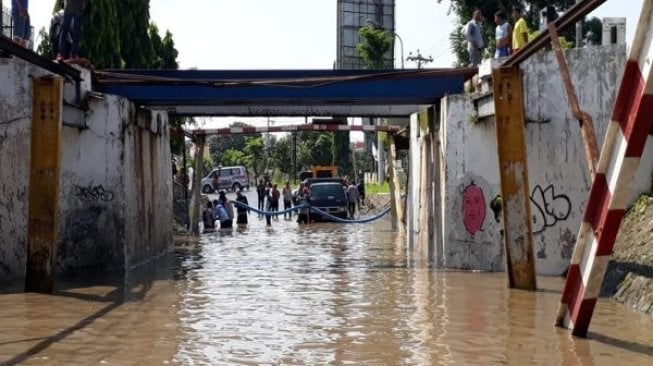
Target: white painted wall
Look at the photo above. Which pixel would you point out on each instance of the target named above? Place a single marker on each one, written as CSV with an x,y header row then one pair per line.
x,y
114,212
558,177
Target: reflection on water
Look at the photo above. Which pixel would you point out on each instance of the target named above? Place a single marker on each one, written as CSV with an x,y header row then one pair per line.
x,y
322,294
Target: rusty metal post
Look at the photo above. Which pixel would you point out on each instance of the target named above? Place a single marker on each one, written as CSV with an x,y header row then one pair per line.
x,y
395,187
44,181
586,125
511,144
197,184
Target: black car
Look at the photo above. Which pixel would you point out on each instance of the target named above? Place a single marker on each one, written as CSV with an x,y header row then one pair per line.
x,y
310,181
329,197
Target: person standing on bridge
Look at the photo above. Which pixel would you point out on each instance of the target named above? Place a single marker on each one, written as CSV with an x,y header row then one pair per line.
x,y
502,35
20,17
72,18
520,34
242,211
474,37
287,199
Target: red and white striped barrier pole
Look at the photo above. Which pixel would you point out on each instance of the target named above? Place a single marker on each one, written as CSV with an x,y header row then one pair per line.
x,y
293,128
632,120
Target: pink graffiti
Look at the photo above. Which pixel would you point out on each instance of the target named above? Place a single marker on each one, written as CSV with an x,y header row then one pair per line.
x,y
473,208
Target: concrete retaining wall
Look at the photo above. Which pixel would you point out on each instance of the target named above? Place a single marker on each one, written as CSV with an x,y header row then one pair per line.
x,y
116,191
469,230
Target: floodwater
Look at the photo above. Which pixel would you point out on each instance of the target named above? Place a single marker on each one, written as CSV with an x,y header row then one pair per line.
x,y
312,295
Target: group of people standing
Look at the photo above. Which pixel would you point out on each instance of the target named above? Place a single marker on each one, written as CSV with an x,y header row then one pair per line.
x,y
509,39
222,210
268,198
65,27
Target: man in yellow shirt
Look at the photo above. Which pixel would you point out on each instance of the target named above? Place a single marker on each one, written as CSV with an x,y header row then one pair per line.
x,y
520,33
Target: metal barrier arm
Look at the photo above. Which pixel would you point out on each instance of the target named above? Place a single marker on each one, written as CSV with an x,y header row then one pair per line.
x,y
32,57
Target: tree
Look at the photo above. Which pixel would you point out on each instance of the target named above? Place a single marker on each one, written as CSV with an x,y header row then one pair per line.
x,y
45,48
254,154
322,152
282,155
134,22
233,157
342,152
218,144
376,43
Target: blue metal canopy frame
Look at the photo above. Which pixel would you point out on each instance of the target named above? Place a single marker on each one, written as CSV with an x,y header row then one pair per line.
x,y
288,92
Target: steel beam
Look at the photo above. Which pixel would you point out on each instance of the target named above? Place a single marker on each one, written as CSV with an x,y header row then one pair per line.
x,y
571,17
294,128
30,56
45,177
587,126
513,169
283,87
363,110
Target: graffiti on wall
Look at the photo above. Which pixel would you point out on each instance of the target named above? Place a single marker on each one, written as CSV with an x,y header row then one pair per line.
x,y
93,193
474,208
548,208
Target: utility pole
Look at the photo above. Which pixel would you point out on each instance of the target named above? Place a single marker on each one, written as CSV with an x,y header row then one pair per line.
x,y
294,156
579,31
419,59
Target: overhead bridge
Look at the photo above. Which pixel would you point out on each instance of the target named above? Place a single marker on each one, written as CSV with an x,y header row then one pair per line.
x,y
358,93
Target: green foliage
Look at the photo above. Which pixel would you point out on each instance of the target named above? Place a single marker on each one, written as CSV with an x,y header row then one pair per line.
x,y
282,155
364,161
218,144
45,48
377,188
322,152
376,43
254,154
342,152
100,41
135,45
233,157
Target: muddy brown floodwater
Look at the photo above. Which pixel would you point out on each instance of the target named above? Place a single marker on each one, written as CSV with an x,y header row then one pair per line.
x,y
321,294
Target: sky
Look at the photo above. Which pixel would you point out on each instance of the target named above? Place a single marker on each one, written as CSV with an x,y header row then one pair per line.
x,y
296,34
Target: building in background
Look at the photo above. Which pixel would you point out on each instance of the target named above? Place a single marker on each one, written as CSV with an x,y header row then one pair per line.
x,y
354,14
614,31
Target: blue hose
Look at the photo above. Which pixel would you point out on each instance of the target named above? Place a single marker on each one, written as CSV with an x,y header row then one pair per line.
x,y
315,209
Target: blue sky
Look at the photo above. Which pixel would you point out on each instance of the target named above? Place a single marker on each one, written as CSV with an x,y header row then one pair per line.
x,y
296,34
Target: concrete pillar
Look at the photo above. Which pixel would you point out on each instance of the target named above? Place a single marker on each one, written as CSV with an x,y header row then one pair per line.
x,y
45,177
513,172
197,185
380,172
395,186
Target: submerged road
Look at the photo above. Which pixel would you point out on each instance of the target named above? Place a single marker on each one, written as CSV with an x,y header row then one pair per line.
x,y
318,294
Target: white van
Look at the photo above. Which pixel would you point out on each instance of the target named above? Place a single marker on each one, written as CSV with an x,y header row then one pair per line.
x,y
227,178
